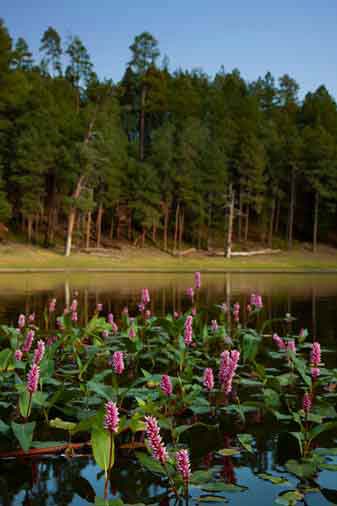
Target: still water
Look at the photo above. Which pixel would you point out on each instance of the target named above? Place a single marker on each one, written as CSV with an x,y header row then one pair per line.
x,y
312,299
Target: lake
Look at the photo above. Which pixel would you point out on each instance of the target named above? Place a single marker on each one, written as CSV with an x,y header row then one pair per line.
x,y
310,298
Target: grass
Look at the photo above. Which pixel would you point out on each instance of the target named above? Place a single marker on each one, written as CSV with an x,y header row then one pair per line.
x,y
21,257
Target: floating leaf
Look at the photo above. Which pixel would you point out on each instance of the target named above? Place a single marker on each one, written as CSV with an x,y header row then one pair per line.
x,y
276,480
222,487
289,498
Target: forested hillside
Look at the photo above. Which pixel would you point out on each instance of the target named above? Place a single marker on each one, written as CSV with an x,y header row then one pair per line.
x,y
161,155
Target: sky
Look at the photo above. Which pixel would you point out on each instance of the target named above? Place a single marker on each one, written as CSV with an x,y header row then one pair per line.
x,y
298,37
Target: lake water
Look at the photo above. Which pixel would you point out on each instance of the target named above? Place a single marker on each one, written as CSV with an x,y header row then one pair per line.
x,y
312,299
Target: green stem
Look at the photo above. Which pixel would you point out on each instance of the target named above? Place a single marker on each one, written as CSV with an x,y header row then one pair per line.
x,y
108,470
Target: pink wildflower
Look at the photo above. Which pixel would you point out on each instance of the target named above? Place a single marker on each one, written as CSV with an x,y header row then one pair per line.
x,y
31,318
52,306
249,308
110,318
28,341
147,314
183,465
228,365
118,362
74,305
166,385
114,327
315,355
315,372
194,311
51,340
188,333
105,334
307,403
176,315
145,296
39,352
197,280
208,379
291,346
156,444
18,355
99,308
74,316
111,419
132,333
125,310
190,292
279,342
33,378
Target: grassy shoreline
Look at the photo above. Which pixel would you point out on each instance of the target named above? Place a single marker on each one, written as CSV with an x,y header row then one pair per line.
x,y
23,258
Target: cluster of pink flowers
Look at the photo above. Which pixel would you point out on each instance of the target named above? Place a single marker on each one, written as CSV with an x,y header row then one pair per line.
x,y
279,342
156,444
132,332
197,280
31,318
33,378
52,306
190,292
118,362
99,308
291,346
74,306
176,315
145,299
228,364
39,352
74,316
183,465
188,332
28,341
111,419
256,300
18,355
51,340
166,385
307,403
315,355
236,312
208,379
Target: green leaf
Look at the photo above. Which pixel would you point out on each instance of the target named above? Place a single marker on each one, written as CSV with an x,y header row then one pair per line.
x,y
24,403
5,356
246,441
289,498
24,434
302,469
100,441
316,431
276,480
200,477
299,437
229,451
222,487
149,463
57,423
4,428
100,501
329,467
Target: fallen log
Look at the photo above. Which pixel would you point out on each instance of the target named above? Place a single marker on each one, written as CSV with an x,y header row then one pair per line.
x,y
33,452
267,251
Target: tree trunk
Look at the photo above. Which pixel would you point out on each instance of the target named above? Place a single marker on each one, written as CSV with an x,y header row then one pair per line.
x,y
72,216
99,225
271,224
29,228
315,230
181,229
111,235
247,223
292,209
143,237
228,246
240,216
154,232
88,230
142,123
209,226
277,220
166,221
130,228
176,226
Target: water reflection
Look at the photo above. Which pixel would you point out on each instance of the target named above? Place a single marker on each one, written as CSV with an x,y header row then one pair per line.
x,y
59,481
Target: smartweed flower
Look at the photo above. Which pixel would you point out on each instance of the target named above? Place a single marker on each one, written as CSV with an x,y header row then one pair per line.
x,y
156,444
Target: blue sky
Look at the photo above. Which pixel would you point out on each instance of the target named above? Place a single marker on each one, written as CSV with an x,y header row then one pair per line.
x,y
298,37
